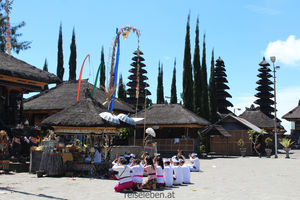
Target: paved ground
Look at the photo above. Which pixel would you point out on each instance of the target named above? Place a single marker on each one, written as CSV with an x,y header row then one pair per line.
x,y
222,178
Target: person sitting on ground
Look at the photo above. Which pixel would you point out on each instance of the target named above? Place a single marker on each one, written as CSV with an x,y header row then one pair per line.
x,y
180,155
123,170
195,163
159,164
150,169
168,174
178,176
137,174
185,171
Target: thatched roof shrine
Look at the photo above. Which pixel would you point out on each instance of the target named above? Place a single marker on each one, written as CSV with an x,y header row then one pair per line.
x,y
64,95
171,115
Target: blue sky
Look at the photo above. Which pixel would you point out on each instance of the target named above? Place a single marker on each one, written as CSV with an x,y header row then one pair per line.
x,y
241,32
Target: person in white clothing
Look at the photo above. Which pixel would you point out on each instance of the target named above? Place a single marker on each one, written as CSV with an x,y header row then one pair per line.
x,y
159,164
186,172
168,174
178,176
137,174
123,170
195,163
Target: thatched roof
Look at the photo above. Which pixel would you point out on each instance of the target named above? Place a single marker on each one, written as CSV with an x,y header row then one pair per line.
x,y
12,66
293,114
170,114
84,113
258,118
223,129
64,95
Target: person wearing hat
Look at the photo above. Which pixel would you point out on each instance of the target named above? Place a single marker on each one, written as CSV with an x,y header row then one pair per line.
x,y
178,176
195,163
168,174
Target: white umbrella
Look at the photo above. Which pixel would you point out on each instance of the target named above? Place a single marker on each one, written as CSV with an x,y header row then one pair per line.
x,y
109,117
137,119
126,119
151,132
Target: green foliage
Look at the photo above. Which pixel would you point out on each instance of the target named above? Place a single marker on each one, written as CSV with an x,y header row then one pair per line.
x,y
197,86
254,138
102,70
60,57
125,133
204,89
202,142
121,89
173,86
160,87
212,92
187,83
16,45
45,68
72,61
241,143
268,142
286,142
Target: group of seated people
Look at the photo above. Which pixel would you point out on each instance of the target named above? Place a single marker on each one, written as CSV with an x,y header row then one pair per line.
x,y
160,173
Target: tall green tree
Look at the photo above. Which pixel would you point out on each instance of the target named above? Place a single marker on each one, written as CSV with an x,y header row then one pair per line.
x,y
121,89
204,100
102,69
16,45
212,91
72,60
60,57
187,83
160,87
173,86
197,87
45,68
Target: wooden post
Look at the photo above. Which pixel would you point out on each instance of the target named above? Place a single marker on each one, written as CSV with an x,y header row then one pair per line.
x,y
134,136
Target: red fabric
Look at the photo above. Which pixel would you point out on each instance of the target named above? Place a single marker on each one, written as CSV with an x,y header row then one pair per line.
x,y
137,175
121,187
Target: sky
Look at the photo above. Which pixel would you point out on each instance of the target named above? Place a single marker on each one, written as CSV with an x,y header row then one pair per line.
x,y
240,32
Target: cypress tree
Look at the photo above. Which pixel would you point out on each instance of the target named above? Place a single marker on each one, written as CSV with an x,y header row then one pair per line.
x,y
102,69
197,88
121,89
212,92
160,87
221,86
204,91
60,57
173,86
162,84
45,68
264,89
187,83
72,61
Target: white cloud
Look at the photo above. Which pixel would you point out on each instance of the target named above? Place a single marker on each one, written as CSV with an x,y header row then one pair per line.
x,y
287,99
287,52
263,10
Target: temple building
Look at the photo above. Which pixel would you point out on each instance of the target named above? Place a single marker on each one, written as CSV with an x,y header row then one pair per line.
x,y
294,117
16,79
39,107
221,87
133,83
175,127
261,120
